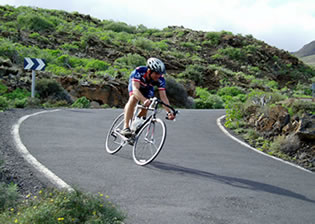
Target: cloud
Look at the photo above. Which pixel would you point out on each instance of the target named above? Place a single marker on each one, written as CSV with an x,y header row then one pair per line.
x,y
287,24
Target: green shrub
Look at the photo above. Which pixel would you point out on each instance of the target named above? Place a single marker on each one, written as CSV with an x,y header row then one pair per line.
x,y
233,53
63,207
298,107
58,70
20,103
130,61
144,43
162,45
207,100
34,35
97,65
230,91
35,22
213,38
272,84
234,113
195,73
82,102
8,196
303,90
191,46
4,104
7,49
119,27
285,144
3,88
49,88
17,94
69,47
176,91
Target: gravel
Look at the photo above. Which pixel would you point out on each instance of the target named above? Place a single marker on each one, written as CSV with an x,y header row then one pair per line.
x,y
14,168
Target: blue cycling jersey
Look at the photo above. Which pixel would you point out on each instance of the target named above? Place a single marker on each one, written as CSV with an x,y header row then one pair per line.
x,y
146,86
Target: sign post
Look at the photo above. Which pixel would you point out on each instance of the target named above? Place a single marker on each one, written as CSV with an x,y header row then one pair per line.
x,y
34,64
313,91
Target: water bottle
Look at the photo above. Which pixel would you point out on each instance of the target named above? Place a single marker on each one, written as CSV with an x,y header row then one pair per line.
x,y
136,123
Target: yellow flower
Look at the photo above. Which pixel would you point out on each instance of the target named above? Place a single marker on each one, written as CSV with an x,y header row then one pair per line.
x,y
15,221
35,207
107,196
94,213
29,195
35,197
12,209
101,195
61,219
51,200
101,205
40,192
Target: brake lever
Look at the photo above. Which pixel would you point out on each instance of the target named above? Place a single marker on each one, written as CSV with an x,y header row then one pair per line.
x,y
176,112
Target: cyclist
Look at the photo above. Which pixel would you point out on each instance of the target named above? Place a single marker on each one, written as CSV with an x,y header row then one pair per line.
x,y
141,82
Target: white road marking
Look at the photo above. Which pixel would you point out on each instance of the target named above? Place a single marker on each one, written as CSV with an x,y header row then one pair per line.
x,y
54,179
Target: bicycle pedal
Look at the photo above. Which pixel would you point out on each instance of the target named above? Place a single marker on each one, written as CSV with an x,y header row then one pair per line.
x,y
131,142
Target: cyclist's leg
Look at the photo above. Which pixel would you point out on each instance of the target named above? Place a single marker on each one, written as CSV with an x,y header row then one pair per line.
x,y
129,110
143,113
149,93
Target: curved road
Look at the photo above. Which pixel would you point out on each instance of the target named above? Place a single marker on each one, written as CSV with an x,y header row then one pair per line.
x,y
201,176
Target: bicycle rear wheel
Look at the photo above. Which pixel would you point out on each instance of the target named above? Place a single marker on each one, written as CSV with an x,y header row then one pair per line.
x,y
149,142
114,142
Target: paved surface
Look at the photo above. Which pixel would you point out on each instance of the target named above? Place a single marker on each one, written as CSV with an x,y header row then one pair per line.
x,y
201,176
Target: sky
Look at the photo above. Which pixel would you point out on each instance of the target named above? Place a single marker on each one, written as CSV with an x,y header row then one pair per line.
x,y
285,24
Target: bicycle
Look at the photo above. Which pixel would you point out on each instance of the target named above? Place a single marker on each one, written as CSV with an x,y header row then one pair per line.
x,y
147,140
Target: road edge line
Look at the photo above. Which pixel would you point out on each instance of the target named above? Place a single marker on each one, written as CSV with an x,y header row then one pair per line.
x,y
23,151
254,149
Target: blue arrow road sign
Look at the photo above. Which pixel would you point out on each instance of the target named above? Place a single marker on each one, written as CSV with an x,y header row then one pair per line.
x,y
34,64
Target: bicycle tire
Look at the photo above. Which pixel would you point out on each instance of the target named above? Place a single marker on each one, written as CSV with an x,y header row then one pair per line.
x,y
113,138
145,150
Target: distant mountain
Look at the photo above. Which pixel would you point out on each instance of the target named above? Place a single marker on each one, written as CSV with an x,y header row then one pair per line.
x,y
306,50
307,53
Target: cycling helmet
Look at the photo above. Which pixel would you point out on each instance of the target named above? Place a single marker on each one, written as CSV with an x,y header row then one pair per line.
x,y
156,65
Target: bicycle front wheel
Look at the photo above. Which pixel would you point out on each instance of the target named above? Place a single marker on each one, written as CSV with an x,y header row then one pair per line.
x,y
149,142
114,142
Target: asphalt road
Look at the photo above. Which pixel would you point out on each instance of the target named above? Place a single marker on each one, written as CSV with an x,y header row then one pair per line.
x,y
201,175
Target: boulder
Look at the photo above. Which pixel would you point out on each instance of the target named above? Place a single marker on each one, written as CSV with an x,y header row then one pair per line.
x,y
306,128
5,62
273,121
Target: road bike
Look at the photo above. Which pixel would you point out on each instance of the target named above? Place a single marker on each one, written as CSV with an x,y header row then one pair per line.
x,y
147,139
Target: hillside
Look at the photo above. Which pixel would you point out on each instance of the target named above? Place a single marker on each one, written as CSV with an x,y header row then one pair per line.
x,y
309,60
90,57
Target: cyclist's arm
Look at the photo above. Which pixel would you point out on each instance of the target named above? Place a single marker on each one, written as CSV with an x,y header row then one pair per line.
x,y
136,92
165,100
